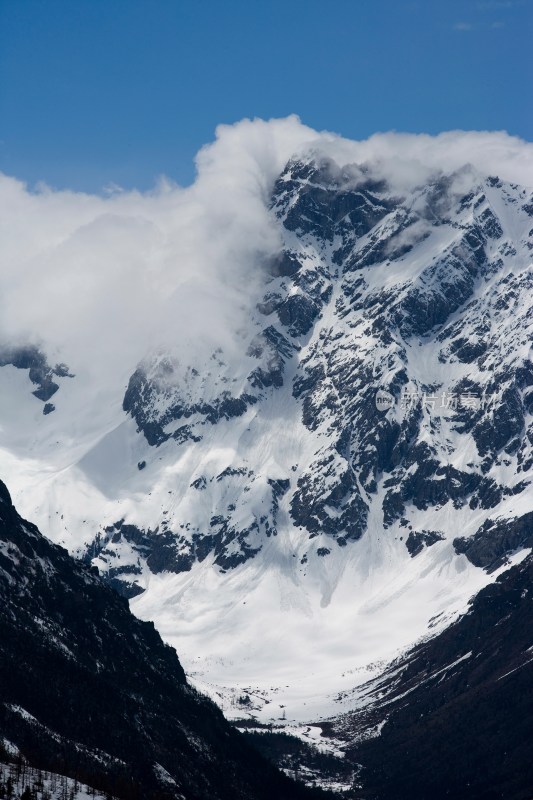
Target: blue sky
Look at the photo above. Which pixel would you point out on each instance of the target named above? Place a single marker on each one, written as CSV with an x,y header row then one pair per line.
x,y
120,91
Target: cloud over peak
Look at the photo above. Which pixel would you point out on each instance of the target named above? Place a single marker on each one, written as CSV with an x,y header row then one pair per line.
x,y
103,279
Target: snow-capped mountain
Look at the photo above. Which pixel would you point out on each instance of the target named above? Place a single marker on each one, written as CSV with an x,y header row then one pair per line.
x,y
298,502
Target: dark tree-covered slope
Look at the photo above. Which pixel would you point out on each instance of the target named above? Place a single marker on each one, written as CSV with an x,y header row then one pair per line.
x,y
455,717
88,690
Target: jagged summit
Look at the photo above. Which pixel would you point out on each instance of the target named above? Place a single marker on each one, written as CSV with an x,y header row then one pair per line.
x,y
408,295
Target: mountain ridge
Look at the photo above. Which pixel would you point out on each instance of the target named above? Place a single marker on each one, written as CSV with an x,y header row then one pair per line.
x,y
263,487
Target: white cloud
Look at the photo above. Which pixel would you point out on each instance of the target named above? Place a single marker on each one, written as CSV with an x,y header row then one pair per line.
x,y
106,278
103,279
463,26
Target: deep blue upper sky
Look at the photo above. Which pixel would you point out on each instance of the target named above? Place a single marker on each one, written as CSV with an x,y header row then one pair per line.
x,y
94,92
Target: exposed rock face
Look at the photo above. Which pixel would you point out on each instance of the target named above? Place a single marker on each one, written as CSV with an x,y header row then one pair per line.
x,y
417,540
154,385
495,539
40,373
